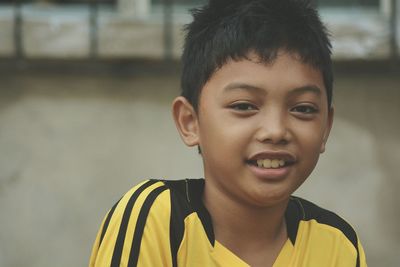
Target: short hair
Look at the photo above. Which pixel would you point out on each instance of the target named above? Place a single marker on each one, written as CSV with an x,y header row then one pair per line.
x,y
231,29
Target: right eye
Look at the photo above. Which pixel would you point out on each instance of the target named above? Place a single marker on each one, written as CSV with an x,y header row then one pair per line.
x,y
243,106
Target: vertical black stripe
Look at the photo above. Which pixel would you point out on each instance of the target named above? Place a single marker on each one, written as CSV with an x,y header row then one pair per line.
x,y
176,229
293,215
180,209
106,222
196,189
116,258
140,223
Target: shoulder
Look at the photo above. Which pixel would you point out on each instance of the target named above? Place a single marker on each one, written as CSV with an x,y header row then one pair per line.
x,y
311,211
138,201
141,228
323,231
149,201
122,230
149,197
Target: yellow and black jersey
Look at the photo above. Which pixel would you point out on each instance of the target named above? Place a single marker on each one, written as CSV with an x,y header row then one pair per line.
x,y
165,224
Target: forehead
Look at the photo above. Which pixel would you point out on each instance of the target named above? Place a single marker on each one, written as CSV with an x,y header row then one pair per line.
x,y
286,72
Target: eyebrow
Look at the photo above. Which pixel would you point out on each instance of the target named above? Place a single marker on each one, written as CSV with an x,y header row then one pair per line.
x,y
298,90
307,88
243,86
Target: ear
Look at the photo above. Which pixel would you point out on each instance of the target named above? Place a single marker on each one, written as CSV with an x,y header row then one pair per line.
x,y
328,128
186,121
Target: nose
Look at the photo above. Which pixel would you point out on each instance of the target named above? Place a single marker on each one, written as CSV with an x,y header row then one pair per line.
x,y
273,129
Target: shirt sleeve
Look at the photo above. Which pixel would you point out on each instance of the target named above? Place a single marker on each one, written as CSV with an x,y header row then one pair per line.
x,y
135,232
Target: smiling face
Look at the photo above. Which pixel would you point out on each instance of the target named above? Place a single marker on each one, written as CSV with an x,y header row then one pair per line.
x,y
261,128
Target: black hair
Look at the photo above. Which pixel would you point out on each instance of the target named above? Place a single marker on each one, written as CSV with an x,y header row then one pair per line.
x,y
230,29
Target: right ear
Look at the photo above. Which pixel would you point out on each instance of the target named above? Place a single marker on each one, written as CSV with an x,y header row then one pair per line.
x,y
186,121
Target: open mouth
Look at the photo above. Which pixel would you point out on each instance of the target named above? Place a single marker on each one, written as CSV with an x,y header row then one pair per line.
x,y
269,163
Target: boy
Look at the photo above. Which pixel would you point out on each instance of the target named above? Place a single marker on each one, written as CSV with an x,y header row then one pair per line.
x,y
256,100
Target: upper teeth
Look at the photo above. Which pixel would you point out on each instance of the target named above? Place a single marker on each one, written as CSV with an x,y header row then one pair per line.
x,y
270,163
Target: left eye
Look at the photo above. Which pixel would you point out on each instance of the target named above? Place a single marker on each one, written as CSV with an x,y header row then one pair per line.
x,y
305,109
243,107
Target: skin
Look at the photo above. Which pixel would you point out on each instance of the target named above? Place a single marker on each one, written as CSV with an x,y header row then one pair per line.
x,y
247,108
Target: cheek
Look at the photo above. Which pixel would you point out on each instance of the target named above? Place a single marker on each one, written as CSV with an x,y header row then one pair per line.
x,y
219,126
311,132
225,139
310,140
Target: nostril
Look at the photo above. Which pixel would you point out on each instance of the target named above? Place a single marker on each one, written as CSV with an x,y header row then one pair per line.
x,y
272,135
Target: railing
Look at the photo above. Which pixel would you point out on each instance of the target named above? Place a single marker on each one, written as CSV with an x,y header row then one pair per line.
x,y
167,13
18,29
93,22
394,51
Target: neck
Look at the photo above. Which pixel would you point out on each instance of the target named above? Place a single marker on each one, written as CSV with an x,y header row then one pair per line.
x,y
242,227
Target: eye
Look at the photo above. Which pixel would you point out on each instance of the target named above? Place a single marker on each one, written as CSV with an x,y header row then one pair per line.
x,y
305,109
243,106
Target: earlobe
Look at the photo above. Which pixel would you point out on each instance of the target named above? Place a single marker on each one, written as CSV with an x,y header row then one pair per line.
x,y
331,113
322,150
186,121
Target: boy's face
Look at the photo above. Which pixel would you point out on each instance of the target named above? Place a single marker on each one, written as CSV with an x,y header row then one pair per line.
x,y
261,128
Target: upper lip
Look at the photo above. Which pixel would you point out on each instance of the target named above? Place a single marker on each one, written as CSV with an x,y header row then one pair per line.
x,y
284,155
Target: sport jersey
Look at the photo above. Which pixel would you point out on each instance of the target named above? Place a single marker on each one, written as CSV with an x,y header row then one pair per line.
x,y
161,223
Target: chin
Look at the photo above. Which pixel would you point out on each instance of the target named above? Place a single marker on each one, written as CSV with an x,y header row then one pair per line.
x,y
269,199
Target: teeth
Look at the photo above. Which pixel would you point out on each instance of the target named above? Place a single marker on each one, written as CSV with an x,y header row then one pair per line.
x,y
267,163
260,163
270,163
275,163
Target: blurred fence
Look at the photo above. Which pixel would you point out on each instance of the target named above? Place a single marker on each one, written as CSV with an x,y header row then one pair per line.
x,y
93,21
161,22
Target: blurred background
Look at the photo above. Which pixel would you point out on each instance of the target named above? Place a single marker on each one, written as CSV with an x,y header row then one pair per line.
x,y
85,95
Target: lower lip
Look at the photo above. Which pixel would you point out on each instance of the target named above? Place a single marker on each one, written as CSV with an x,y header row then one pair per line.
x,y
269,174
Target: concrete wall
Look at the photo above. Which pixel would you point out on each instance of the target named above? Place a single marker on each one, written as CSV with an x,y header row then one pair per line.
x,y
73,142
